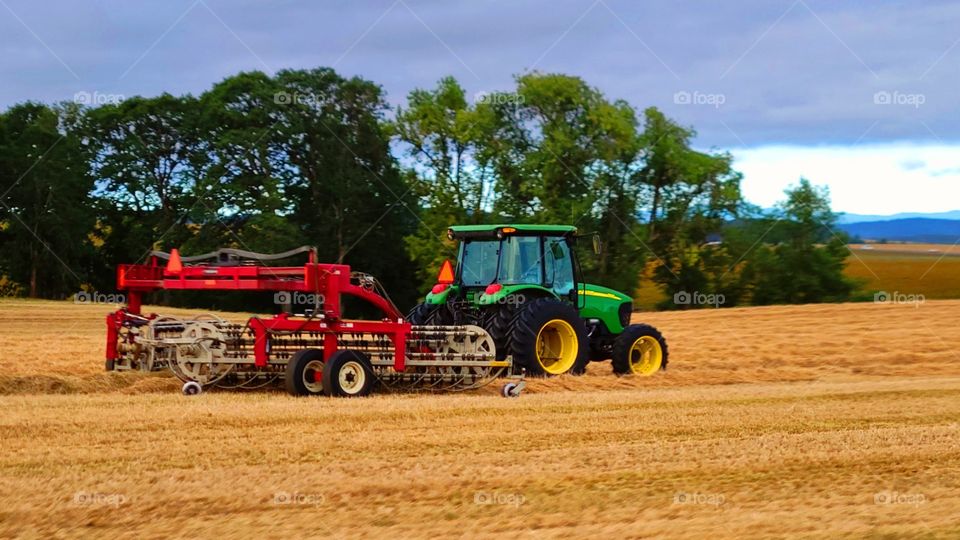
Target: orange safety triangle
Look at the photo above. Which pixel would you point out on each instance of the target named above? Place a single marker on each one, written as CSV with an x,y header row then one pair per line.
x,y
446,273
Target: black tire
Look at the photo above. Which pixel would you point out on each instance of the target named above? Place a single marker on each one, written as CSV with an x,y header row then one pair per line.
x,y
623,345
360,373
530,320
108,365
498,322
305,364
429,314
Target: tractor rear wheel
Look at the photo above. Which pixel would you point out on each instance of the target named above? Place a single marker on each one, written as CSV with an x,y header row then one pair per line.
x,y
348,374
428,314
304,373
639,350
549,338
498,322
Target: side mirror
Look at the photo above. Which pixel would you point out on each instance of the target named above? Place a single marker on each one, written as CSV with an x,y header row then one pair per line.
x,y
597,245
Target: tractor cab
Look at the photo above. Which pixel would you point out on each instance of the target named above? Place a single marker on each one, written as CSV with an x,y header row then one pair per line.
x,y
495,261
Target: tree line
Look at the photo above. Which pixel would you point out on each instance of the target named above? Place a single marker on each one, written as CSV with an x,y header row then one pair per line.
x,y
268,163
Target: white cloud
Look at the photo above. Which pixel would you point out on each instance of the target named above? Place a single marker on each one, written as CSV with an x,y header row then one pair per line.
x,y
863,179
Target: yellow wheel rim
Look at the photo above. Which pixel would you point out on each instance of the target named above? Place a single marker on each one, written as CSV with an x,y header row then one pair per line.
x,y
557,347
646,356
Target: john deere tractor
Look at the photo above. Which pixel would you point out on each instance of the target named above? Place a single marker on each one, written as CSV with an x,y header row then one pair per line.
x,y
523,284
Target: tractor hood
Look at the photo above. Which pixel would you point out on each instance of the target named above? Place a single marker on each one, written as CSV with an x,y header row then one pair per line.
x,y
596,291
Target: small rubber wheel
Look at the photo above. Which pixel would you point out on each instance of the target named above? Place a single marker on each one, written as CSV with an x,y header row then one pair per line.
x,y
304,373
108,365
348,374
191,388
509,390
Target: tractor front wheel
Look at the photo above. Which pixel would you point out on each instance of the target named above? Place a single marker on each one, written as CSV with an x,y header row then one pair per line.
x,y
639,350
549,338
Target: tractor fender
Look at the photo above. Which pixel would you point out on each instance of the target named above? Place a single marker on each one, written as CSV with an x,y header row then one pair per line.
x,y
440,298
525,291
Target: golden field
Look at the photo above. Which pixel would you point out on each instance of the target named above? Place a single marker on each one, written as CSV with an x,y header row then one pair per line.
x,y
814,421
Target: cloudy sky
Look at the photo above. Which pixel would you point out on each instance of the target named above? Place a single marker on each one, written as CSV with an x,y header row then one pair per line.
x,y
861,96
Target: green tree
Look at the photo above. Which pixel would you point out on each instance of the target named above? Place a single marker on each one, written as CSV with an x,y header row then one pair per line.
x,y
438,130
554,150
807,266
347,194
144,154
45,217
692,195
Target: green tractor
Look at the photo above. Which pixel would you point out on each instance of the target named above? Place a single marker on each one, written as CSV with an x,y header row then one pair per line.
x,y
524,286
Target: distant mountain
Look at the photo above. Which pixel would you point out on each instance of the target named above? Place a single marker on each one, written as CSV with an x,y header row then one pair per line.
x,y
858,218
938,231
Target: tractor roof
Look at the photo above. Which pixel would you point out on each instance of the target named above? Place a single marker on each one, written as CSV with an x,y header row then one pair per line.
x,y
491,230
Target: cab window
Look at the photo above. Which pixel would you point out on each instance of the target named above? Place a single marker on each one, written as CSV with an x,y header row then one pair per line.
x,y
520,260
558,265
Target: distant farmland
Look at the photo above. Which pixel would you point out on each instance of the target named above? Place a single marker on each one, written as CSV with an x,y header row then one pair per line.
x,y
931,270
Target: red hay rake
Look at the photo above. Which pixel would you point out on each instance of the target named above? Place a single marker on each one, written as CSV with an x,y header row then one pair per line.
x,y
316,352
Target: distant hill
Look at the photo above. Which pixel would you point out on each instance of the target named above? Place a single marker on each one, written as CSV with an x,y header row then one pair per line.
x,y
937,231
859,218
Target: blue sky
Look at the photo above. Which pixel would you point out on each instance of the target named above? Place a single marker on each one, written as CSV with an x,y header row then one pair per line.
x,y
860,96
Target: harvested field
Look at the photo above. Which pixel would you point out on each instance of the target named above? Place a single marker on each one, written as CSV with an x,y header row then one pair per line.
x,y
819,421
